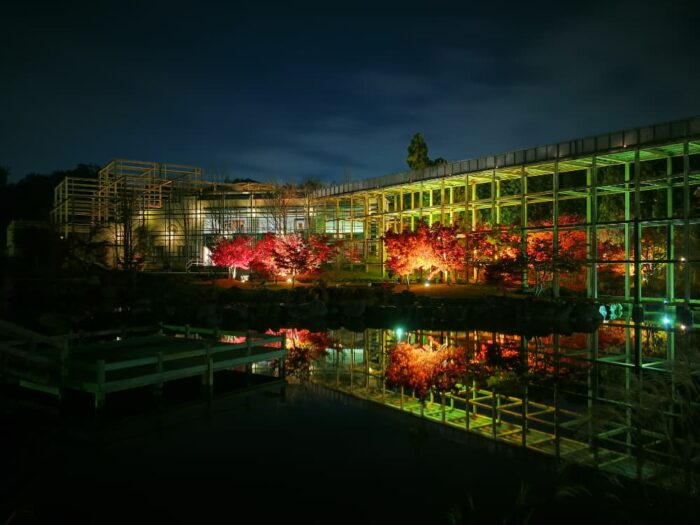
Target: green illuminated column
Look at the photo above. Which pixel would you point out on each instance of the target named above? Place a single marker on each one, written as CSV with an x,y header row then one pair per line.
x,y
493,199
523,220
442,201
637,232
686,224
627,232
473,208
498,201
592,229
555,230
637,268
366,234
670,249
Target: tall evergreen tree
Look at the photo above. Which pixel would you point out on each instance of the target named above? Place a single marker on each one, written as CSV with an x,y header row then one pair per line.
x,y
417,158
418,153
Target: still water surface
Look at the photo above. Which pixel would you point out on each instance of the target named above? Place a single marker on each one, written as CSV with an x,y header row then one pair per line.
x,y
322,457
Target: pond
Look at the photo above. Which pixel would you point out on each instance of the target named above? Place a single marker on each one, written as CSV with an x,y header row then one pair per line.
x,y
347,445
623,399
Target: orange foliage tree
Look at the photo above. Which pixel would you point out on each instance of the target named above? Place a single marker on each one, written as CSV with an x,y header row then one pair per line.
x,y
541,259
448,252
435,249
486,245
408,251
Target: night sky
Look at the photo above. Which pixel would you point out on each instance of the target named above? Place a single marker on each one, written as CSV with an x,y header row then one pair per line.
x,y
331,90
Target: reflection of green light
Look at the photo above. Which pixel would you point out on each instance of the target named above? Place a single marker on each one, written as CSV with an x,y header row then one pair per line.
x,y
399,333
666,320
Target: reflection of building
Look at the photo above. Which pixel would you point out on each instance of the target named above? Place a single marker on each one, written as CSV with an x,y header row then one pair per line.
x,y
608,400
165,215
633,195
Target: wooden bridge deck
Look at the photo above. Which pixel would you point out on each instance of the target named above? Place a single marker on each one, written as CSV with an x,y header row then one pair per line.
x,y
99,367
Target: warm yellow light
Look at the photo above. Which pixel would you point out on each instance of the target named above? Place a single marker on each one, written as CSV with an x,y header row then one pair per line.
x,y
289,280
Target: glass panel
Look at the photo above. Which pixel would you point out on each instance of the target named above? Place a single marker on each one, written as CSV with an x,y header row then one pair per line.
x,y
483,216
653,279
572,179
611,244
677,197
611,279
653,169
611,207
536,184
510,187
511,215
483,191
539,213
652,203
572,211
458,194
614,174
407,201
695,281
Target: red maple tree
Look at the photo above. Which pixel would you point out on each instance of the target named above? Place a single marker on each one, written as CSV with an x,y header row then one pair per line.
x,y
294,255
233,254
263,262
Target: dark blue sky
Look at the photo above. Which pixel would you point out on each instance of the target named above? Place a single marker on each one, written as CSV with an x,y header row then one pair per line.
x,y
333,90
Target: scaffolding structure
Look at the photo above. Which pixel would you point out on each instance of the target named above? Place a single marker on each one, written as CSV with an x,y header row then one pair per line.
x,y
164,216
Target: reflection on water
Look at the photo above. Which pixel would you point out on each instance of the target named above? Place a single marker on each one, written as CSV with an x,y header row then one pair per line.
x,y
624,399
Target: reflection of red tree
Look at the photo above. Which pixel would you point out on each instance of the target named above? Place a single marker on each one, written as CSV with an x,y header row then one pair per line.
x,y
303,348
423,369
491,361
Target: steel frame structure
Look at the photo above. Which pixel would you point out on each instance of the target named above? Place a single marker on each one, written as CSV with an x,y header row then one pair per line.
x,y
627,183
166,214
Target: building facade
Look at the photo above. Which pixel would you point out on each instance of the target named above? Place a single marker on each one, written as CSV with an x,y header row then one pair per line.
x,y
164,216
632,196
